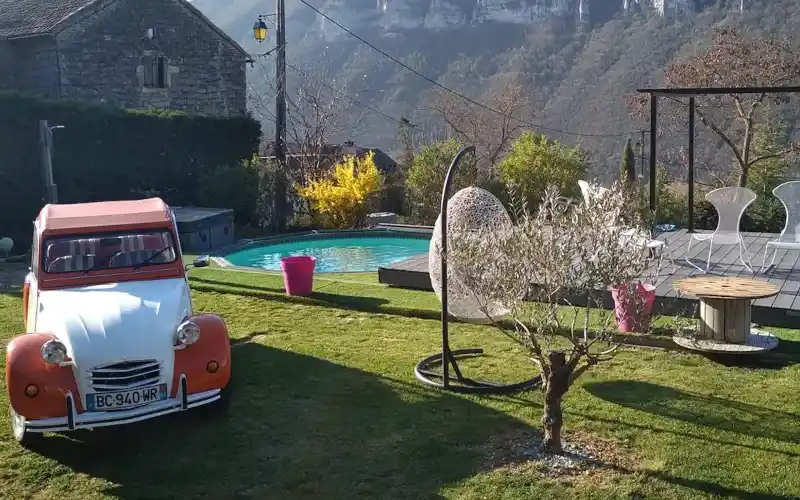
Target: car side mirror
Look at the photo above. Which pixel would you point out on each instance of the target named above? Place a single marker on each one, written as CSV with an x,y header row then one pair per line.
x,y
203,261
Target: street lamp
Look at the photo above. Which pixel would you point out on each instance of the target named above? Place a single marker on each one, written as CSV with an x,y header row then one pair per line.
x,y
260,30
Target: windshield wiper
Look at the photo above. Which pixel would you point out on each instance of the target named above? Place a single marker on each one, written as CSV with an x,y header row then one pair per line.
x,y
149,259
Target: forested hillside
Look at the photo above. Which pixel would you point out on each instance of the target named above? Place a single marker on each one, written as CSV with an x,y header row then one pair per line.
x,y
577,75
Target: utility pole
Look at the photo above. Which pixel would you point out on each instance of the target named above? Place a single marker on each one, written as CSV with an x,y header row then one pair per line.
x,y
280,120
46,148
653,152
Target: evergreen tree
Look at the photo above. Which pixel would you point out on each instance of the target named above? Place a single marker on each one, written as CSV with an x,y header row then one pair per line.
x,y
406,143
627,171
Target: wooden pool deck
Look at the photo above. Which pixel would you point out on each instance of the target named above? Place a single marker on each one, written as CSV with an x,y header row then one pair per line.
x,y
781,310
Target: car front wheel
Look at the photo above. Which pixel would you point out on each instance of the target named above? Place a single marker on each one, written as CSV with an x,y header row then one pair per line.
x,y
23,436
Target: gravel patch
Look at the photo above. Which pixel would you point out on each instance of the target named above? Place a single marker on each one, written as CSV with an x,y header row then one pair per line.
x,y
521,450
575,459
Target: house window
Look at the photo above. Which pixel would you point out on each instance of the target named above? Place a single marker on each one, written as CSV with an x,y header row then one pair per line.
x,y
155,72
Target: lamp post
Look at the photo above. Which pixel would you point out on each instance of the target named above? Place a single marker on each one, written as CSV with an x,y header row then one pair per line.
x,y
46,147
260,34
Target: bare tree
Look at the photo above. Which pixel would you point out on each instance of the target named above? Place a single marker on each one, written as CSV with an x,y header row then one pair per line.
x,y
553,256
490,132
735,60
319,111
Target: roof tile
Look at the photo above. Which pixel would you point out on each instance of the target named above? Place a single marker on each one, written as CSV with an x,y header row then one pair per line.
x,y
35,17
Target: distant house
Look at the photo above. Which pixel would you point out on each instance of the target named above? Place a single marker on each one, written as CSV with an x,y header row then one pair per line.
x,y
383,161
128,53
391,199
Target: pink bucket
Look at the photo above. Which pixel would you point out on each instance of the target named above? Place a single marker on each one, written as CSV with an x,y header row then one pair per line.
x,y
298,275
633,312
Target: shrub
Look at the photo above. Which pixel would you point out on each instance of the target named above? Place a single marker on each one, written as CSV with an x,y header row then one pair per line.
x,y
766,213
534,163
231,186
425,179
246,187
106,153
393,192
342,197
671,199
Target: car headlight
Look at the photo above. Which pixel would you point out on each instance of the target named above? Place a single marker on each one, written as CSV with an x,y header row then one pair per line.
x,y
54,352
187,333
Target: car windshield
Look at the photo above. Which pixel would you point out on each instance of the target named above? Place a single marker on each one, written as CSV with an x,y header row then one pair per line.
x,y
69,254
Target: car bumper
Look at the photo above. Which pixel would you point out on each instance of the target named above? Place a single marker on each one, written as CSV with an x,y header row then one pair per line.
x,y
91,420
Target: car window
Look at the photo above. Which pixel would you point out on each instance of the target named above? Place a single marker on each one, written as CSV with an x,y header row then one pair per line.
x,y
110,251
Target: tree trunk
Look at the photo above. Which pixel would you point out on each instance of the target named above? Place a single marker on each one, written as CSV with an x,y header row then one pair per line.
x,y
556,385
744,169
743,176
745,163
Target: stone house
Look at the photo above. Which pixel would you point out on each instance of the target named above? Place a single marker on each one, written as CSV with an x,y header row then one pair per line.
x,y
328,155
128,53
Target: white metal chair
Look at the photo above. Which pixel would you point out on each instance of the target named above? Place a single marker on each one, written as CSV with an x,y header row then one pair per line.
x,y
591,192
789,195
730,204
657,249
640,239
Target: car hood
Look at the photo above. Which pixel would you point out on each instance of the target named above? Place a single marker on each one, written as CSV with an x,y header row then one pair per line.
x,y
127,321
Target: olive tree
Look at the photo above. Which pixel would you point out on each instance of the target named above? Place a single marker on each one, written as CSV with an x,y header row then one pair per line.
x,y
554,256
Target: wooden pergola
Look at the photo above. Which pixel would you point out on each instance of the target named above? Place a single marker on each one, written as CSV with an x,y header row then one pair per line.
x,y
692,93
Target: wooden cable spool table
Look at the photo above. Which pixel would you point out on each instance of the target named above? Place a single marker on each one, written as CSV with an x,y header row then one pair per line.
x,y
725,305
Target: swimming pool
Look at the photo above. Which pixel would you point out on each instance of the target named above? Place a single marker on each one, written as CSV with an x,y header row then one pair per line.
x,y
334,254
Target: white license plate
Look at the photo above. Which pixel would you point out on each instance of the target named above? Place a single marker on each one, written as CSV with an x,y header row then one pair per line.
x,y
103,401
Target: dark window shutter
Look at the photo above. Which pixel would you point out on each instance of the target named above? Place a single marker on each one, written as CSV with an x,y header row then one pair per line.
x,y
161,73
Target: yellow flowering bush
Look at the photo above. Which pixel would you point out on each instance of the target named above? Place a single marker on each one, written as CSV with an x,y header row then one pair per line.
x,y
342,196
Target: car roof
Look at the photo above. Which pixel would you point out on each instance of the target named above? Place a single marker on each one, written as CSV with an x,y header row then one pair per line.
x,y
96,216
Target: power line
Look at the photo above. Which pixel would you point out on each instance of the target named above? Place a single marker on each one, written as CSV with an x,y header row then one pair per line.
x,y
351,98
265,54
455,93
402,121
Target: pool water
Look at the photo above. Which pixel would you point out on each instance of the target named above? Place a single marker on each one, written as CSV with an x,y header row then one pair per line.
x,y
334,255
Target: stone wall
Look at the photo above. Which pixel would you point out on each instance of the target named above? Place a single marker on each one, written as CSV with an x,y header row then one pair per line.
x,y
102,59
32,62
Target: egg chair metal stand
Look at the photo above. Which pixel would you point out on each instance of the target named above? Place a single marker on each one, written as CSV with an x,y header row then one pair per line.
x,y
426,371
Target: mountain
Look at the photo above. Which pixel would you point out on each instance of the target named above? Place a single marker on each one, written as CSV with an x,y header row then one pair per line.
x,y
580,59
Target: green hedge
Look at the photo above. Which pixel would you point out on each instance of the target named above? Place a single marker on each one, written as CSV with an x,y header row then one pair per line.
x,y
106,153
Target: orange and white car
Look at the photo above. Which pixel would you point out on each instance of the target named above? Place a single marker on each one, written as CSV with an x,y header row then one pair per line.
x,y
111,335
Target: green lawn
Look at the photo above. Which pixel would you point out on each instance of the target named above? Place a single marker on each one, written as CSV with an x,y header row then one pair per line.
x,y
326,406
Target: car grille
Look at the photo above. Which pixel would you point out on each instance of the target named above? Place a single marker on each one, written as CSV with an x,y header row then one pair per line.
x,y
125,375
